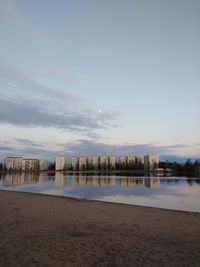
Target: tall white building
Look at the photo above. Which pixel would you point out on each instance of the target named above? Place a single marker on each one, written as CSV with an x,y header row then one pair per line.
x,y
95,162
21,164
30,164
13,163
82,163
75,163
103,162
129,161
123,160
138,160
61,163
44,164
151,162
89,163
111,162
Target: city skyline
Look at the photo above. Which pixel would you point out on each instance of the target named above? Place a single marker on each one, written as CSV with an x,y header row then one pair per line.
x,y
95,78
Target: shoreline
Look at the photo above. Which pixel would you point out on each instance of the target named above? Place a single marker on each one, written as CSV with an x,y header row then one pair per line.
x,y
107,172
46,230
139,173
96,200
78,171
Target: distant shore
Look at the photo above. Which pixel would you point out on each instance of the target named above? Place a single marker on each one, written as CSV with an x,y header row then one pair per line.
x,y
109,172
92,172
39,230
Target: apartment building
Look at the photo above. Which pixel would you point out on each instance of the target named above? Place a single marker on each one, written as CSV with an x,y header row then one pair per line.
x,y
75,163
89,163
123,160
82,163
21,164
44,164
151,162
129,161
13,163
61,163
95,162
30,164
111,162
103,162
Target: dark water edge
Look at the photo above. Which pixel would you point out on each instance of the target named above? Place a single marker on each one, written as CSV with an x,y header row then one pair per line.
x,y
140,173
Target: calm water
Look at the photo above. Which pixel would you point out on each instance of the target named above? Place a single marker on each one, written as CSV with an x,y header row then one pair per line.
x,y
178,193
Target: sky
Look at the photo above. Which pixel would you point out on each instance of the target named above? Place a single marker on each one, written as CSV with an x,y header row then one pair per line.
x,y
100,77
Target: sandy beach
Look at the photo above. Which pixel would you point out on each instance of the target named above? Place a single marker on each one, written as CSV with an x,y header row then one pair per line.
x,y
39,230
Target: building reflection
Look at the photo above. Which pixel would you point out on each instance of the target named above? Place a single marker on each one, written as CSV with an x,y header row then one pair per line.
x,y
60,179
12,179
79,180
131,182
43,177
95,180
152,183
24,178
99,181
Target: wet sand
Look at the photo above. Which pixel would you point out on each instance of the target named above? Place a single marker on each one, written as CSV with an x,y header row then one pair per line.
x,y
39,230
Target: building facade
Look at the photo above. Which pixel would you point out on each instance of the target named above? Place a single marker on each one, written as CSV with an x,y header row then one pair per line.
x,y
123,161
111,162
151,162
89,163
82,163
103,162
21,164
30,165
130,162
93,163
44,164
61,163
75,163
13,163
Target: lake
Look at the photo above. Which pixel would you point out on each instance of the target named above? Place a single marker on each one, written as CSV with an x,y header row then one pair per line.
x,y
178,193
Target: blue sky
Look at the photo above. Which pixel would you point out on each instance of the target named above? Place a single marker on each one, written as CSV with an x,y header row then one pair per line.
x,y
90,77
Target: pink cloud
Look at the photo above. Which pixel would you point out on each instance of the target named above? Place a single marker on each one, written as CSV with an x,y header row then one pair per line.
x,y
64,74
11,18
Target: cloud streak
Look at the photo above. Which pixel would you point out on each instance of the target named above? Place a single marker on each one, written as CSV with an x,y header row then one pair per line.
x,y
92,147
29,148
24,102
64,74
11,18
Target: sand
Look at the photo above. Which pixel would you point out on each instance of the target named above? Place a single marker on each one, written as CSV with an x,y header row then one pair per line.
x,y
39,230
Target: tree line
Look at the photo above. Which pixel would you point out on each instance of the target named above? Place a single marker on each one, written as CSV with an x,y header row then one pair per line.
x,y
187,167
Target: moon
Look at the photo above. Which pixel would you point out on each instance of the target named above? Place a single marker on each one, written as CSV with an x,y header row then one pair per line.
x,y
100,111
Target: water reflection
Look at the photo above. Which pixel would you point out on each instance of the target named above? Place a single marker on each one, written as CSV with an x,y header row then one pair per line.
x,y
60,179
93,181
173,193
24,178
79,180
